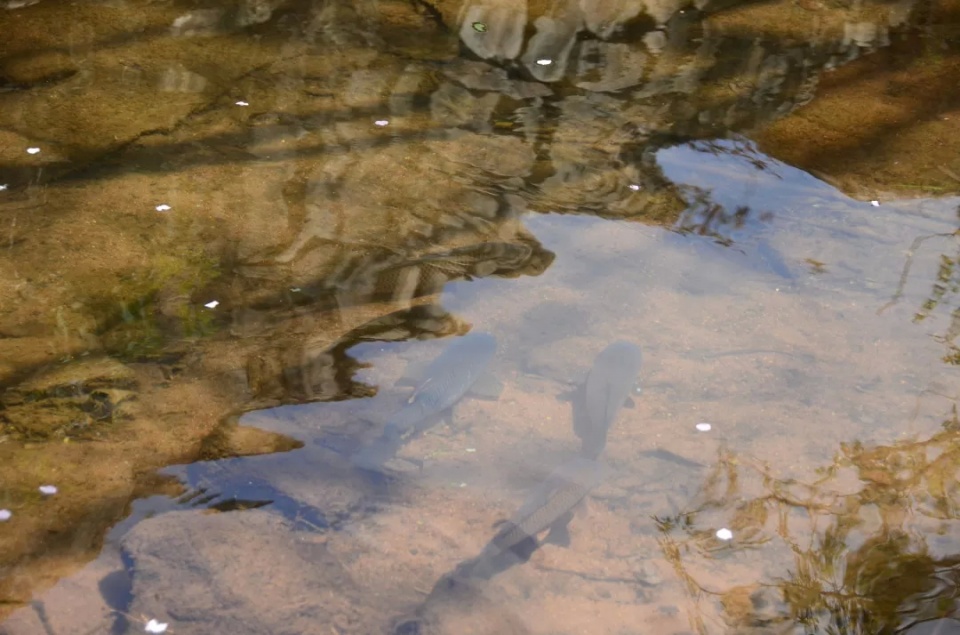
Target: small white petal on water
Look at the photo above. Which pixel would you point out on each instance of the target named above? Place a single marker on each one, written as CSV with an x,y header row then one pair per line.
x,y
724,534
3,186
295,289
212,304
5,515
381,122
875,203
634,187
544,62
153,626
471,449
33,150
163,208
704,427
243,103
49,490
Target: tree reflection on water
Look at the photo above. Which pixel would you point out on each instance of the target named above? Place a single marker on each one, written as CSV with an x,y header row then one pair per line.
x,y
870,539
945,288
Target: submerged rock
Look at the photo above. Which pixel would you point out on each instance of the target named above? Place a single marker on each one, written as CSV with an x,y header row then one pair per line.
x,y
239,573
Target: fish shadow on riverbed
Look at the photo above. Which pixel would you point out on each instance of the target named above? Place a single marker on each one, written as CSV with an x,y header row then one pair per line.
x,y
315,488
549,507
460,605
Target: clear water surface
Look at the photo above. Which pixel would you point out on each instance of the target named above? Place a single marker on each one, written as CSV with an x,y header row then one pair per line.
x,y
233,232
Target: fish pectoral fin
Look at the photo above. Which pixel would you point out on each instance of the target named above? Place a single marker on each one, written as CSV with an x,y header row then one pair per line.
x,y
413,374
373,419
402,465
419,389
582,509
572,393
447,416
559,533
418,463
487,386
498,524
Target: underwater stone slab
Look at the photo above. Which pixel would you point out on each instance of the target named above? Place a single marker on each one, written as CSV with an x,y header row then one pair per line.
x,y
241,572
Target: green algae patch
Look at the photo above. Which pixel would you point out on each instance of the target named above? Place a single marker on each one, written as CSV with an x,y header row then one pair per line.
x,y
78,400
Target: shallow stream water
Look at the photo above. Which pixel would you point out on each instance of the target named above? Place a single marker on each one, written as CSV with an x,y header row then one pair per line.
x,y
233,233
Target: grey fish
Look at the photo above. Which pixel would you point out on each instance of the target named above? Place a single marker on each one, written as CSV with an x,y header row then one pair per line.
x,y
549,506
444,382
608,387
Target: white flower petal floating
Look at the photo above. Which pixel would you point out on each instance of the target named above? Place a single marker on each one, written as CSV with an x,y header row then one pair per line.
x,y
5,515
33,150
875,203
3,186
163,208
243,103
212,304
634,187
48,490
381,122
153,626
544,62
704,427
724,534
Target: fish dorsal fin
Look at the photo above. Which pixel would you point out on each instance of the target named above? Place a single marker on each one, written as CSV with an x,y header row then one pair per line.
x,y
420,389
414,373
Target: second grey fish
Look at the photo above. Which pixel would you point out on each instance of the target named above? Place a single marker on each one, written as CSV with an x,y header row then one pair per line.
x,y
611,380
444,382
